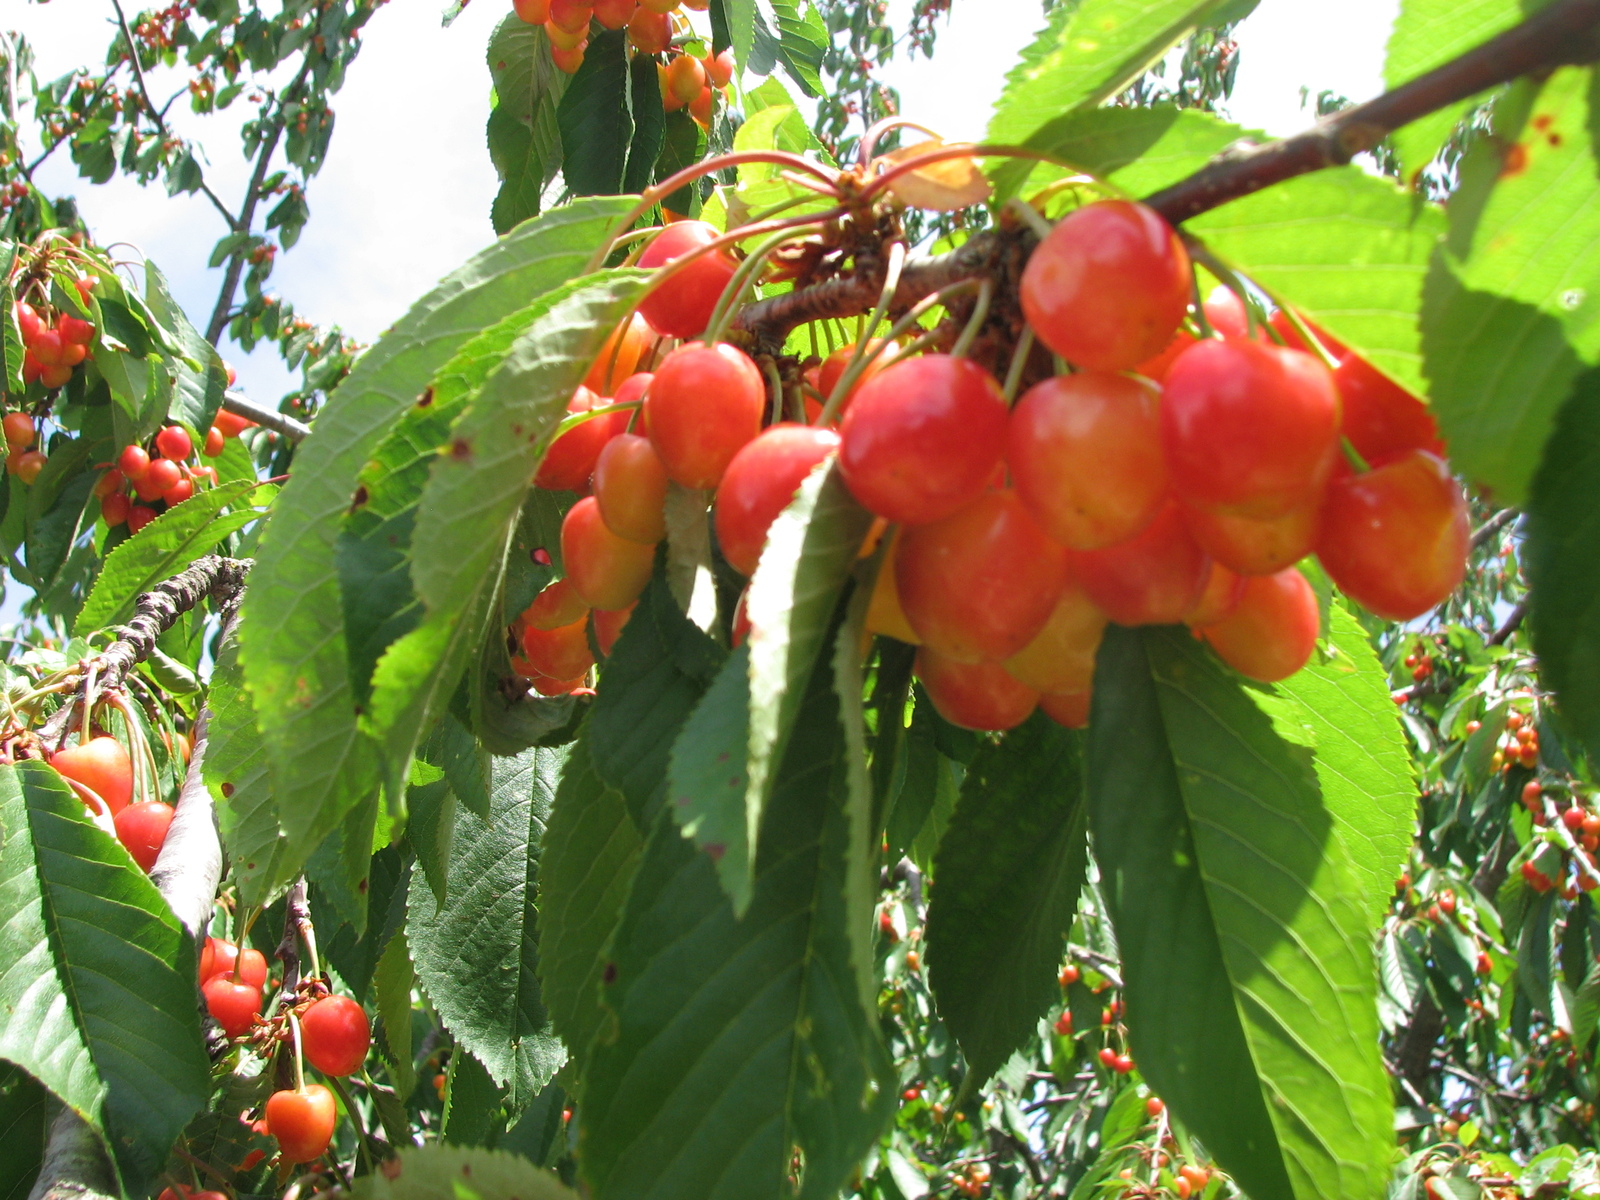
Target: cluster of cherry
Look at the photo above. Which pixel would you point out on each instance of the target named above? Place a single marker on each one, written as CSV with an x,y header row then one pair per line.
x,y
99,770
53,343
130,490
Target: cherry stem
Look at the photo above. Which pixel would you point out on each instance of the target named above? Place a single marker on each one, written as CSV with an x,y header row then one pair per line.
x,y
308,935
741,279
299,1066
1029,216
1353,456
575,419
1200,318
355,1119
770,369
144,760
1019,363
859,358
980,314
1310,338
869,140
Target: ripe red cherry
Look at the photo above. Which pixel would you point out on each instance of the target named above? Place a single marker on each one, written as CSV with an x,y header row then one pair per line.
x,y
139,516
614,14
1152,579
650,33
1253,546
174,442
981,583
220,957
1395,539
682,306
1221,597
1249,430
630,485
1226,312
1068,709
719,70
759,484
570,460
46,346
704,403
231,424
214,442
1381,418
1156,368
178,492
571,14
619,356
1085,453
1060,658
19,431
534,12
975,695
1272,631
923,438
161,476
28,321
302,1121
608,626
101,765
559,653
115,508
27,465
232,1003
606,571
142,828
335,1035
559,604
1108,287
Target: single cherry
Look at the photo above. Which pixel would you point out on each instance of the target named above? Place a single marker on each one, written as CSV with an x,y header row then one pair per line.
x,y
1068,709
981,695
559,604
1272,630
607,571
630,485
1061,656
115,508
302,1120
220,957
534,12
19,430
28,465
335,1035
759,484
174,442
133,462
214,442
1380,417
651,33
142,829
559,653
139,516
703,405
1108,287
101,765
619,356
608,626
1257,546
1221,596
232,1003
682,306
162,475
686,77
570,460
28,321
1151,579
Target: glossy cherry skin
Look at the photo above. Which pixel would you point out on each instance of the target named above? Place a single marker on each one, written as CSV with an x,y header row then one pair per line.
x,y
1380,417
164,475
142,829
923,438
221,957
607,571
650,33
834,366
619,356
174,442
1151,579
302,1121
1156,368
133,462
1061,656
981,695
1108,287
630,485
703,405
559,604
1272,631
1221,596
1070,709
980,584
101,765
1085,456
1395,539
1249,430
682,306
759,484
335,1035
233,1003
1251,546
570,460
1226,314
608,626
534,12
614,14
19,430
139,516
559,653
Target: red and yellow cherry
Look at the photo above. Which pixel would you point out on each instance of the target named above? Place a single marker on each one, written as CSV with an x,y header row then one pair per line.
x,y
759,484
571,14
302,1120
607,571
1395,539
719,68
834,366
619,356
980,695
56,376
559,604
608,626
101,765
703,405
115,508
923,438
1151,579
1380,417
885,614
559,653
1272,630
564,40
570,460
686,77
28,321
335,1035
1257,546
214,442
27,465
533,12
1108,287
630,485
682,306
139,516
232,1003
19,431
981,583
1068,709
1220,598
1085,455
219,957
700,106
174,442
546,686
46,346
108,484
1060,658
1249,430
231,424
614,14
648,32
568,61
142,829
669,102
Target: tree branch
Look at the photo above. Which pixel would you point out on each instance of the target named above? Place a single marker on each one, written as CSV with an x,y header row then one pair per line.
x,y
75,1166
241,405
1510,625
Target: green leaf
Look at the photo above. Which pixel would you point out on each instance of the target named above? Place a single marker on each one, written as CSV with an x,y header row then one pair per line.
x,y
235,768
392,983
11,348
591,850
1347,249
1563,552
803,42
596,127
649,123
811,549
1009,870
524,139
96,976
434,1171
734,1042
292,640
478,954
683,144
706,780
1251,983
1512,315
197,390
740,17
167,545
24,1121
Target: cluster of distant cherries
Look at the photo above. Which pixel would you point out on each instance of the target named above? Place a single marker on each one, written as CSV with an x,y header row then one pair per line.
x,y
53,343
1164,478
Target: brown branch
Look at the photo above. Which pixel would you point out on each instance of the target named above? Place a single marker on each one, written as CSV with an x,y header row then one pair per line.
x,y
1510,625
1493,525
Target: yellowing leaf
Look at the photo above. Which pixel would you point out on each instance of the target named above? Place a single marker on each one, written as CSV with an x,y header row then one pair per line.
x,y
942,186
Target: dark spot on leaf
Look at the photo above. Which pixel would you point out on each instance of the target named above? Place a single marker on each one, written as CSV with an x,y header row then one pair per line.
x,y
359,710
1543,121
426,398
249,866
716,850
466,1168
362,886
361,497
227,790
460,449
724,756
609,975
736,781
1515,161
1555,139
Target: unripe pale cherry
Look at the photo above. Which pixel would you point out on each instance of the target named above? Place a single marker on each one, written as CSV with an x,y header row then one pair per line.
x,y
759,484
686,77
1257,546
1061,656
720,68
102,765
564,39
682,306
1085,455
1249,430
983,695
557,605
981,583
703,405
923,438
1151,579
607,571
630,485
1272,631
571,14
1108,287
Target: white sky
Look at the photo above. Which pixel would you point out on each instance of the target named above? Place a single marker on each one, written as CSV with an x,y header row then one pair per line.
x,y
405,195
